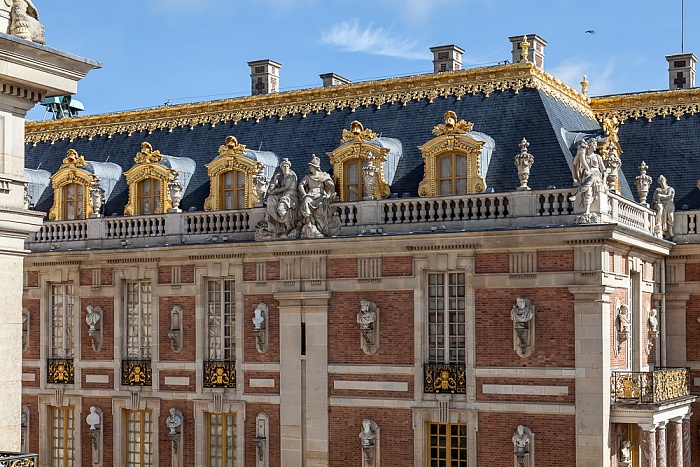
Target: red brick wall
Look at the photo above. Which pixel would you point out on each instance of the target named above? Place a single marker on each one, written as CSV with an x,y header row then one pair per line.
x,y
492,262
34,307
555,436
86,277
32,404
187,427
249,271
37,377
692,329
621,360
178,373
273,420
107,326
273,272
189,335
563,399
339,268
32,278
107,276
165,274
396,266
692,272
248,375
250,354
396,443
559,260
98,371
105,404
554,318
395,327
375,394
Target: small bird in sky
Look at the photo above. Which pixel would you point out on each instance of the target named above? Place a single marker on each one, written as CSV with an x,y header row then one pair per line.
x,y
590,31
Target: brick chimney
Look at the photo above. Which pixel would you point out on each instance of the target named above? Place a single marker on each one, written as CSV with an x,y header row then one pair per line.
x,y
264,75
681,70
331,79
535,53
447,58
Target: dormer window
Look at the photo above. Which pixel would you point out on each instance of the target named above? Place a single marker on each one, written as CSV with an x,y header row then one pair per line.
x,y
233,192
71,185
148,182
452,174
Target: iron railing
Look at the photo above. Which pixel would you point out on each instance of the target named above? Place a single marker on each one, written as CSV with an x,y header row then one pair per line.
x,y
16,459
60,371
136,372
651,387
219,374
443,378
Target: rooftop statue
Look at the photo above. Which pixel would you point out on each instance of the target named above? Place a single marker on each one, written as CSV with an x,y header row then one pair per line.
x,y
282,211
317,192
25,21
665,208
589,174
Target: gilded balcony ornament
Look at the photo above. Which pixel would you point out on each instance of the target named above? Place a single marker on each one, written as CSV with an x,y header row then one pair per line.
x,y
444,378
148,165
653,387
451,137
60,371
136,373
73,171
231,157
355,145
219,374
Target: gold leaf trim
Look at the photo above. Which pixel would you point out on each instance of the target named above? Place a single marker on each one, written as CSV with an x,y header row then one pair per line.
x,y
676,103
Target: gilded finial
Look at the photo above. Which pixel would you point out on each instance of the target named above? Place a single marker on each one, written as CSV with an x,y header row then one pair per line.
x,y
524,47
357,133
452,126
147,154
73,159
232,147
584,86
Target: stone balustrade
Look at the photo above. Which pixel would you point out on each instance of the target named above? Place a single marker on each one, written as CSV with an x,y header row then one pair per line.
x,y
395,215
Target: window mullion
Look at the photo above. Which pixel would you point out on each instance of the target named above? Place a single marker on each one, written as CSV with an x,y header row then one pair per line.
x,y
446,318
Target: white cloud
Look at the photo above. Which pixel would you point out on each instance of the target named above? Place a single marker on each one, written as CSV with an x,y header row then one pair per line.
x,y
351,37
598,75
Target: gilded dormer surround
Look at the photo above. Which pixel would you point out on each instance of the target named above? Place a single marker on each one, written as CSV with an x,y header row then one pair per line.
x,y
354,148
71,185
148,181
452,162
242,169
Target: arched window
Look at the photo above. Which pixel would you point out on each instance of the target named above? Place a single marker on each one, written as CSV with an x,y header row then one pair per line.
x,y
71,189
148,182
73,201
149,196
233,189
452,173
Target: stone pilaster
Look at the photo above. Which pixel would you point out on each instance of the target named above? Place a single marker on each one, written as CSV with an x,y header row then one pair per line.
x,y
592,344
676,356
661,445
686,441
675,442
648,458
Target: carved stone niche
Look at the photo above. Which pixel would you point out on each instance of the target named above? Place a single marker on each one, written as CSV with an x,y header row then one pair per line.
x,y
524,447
94,421
260,322
93,318
262,434
623,324
176,329
523,316
369,442
368,319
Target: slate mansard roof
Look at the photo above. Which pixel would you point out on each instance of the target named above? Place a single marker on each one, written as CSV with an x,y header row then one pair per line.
x,y
507,103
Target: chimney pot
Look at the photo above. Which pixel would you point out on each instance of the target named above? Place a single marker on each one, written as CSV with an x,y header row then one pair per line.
x,y
535,53
264,75
331,79
681,70
447,58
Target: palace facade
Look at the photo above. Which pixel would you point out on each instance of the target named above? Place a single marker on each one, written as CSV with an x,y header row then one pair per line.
x,y
466,268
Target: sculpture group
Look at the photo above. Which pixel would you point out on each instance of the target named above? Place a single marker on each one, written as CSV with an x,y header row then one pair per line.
x,y
299,208
25,21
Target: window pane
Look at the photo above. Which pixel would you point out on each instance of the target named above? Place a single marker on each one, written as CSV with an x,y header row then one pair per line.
x,y
460,165
221,320
446,166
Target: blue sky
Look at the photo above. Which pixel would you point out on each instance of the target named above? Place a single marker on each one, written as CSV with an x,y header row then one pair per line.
x,y
180,51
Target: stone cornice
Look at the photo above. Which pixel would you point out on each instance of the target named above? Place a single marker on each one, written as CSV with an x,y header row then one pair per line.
x,y
648,104
303,102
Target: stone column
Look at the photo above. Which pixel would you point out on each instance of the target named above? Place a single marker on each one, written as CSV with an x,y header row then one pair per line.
x,y
28,72
661,445
648,446
675,442
687,447
592,342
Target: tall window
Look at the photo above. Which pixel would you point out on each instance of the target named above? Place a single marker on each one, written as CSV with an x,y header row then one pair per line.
x,y
138,320
233,183
452,174
73,201
149,196
221,440
353,180
221,320
447,445
62,436
139,438
446,317
61,339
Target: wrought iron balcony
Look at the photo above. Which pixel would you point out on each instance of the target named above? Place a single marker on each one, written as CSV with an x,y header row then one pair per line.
x,y
652,387
136,372
219,374
444,378
16,459
60,371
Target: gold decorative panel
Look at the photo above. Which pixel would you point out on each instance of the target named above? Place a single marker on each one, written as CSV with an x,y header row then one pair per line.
x,y
136,373
231,158
219,374
71,171
444,378
650,387
148,166
354,145
60,371
450,138
673,103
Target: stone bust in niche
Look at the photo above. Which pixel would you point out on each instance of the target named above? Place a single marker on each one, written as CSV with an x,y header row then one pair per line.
x,y
367,318
522,314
